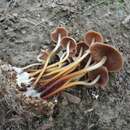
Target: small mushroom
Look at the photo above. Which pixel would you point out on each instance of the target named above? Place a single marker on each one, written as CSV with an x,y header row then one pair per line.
x,y
81,46
92,37
104,77
70,45
56,36
114,60
58,31
70,42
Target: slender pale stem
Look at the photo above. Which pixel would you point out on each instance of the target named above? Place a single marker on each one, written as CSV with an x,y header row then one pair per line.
x,y
74,75
98,65
79,55
53,65
93,41
38,58
48,59
80,52
31,65
48,71
70,66
89,62
62,58
49,74
72,84
88,69
46,81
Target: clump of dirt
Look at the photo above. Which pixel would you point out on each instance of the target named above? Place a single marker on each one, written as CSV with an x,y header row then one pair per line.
x,y
15,114
24,29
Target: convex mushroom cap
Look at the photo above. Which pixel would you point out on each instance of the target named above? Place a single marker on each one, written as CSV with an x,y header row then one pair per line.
x,y
58,31
114,60
104,76
81,46
72,44
92,36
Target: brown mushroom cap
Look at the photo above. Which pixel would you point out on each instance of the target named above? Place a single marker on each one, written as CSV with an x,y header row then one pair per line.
x,y
104,76
44,54
59,30
82,45
114,60
73,53
68,40
93,35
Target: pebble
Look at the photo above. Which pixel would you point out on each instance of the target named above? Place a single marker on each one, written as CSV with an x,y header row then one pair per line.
x,y
15,14
126,22
23,31
71,98
128,69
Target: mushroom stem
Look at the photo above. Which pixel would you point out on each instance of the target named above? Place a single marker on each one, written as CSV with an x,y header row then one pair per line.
x,y
85,70
49,74
63,57
35,72
98,65
48,70
69,67
72,76
38,58
93,40
51,67
89,62
79,55
31,65
48,59
70,85
57,70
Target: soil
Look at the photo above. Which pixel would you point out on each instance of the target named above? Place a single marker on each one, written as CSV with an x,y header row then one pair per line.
x,y
25,27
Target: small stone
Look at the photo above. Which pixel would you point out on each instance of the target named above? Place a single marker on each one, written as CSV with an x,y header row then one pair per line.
x,y
128,69
126,22
23,31
89,110
15,14
71,98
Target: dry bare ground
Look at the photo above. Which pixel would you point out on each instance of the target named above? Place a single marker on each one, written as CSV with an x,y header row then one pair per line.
x,y
25,26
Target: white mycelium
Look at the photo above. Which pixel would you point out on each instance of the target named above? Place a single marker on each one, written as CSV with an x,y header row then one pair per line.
x,y
31,93
17,70
22,77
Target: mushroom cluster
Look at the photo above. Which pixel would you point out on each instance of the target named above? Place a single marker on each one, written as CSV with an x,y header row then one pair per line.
x,y
85,63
